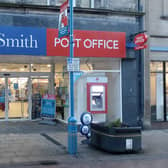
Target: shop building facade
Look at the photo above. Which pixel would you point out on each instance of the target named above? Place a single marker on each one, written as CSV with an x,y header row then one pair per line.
x,y
156,25
33,60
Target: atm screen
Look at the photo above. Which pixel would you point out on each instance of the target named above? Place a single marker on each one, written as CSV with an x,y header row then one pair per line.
x,y
97,94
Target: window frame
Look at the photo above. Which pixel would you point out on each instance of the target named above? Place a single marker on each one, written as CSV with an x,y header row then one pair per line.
x,y
164,9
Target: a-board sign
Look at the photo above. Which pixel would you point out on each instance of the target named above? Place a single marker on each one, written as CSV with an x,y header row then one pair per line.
x,y
48,106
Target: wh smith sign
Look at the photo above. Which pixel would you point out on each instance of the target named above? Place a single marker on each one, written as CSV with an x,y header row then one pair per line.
x,y
45,42
22,41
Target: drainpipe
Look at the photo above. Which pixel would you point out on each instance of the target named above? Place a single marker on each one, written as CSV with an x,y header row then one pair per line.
x,y
147,109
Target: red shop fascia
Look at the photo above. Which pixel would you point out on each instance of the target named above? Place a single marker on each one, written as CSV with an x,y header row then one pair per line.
x,y
87,44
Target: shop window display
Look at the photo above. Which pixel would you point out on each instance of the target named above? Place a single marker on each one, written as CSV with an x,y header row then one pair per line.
x,y
39,89
61,92
89,67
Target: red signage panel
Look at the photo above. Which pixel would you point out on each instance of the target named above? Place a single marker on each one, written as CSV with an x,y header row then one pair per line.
x,y
88,44
140,39
141,47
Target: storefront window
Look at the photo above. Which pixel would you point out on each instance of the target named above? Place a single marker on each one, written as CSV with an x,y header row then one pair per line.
x,y
159,91
25,67
166,66
157,97
62,91
14,67
39,85
40,67
90,94
87,64
108,68
156,66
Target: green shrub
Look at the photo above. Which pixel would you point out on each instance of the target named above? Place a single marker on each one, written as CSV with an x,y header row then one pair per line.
x,y
116,123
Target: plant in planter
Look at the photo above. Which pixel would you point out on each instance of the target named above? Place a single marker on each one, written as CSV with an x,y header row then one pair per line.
x,y
115,137
116,123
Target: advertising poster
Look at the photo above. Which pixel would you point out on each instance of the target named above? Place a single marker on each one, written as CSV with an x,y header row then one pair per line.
x,y
48,107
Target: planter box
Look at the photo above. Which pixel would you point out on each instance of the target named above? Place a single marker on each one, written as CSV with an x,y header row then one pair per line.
x,y
116,139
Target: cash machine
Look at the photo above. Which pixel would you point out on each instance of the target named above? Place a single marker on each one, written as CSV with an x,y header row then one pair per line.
x,y
91,96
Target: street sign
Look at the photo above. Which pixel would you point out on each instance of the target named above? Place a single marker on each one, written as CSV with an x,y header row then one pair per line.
x,y
63,20
73,64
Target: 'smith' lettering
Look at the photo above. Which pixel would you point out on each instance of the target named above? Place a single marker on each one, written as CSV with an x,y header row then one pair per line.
x,y
20,42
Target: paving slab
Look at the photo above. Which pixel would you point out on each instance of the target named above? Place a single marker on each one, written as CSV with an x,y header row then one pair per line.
x,y
29,143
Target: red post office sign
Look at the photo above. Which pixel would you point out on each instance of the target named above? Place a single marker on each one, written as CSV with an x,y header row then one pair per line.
x,y
88,44
140,40
140,47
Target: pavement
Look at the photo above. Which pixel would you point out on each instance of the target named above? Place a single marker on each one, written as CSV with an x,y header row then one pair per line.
x,y
31,144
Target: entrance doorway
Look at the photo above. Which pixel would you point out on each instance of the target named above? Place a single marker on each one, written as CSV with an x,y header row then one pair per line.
x,y
20,95
40,87
14,98
17,98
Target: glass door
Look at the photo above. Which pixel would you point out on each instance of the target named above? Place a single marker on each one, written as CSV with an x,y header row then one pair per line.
x,y
166,96
40,87
20,96
17,94
2,98
157,97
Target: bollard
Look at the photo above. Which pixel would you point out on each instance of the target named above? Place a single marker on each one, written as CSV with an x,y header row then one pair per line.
x,y
72,136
